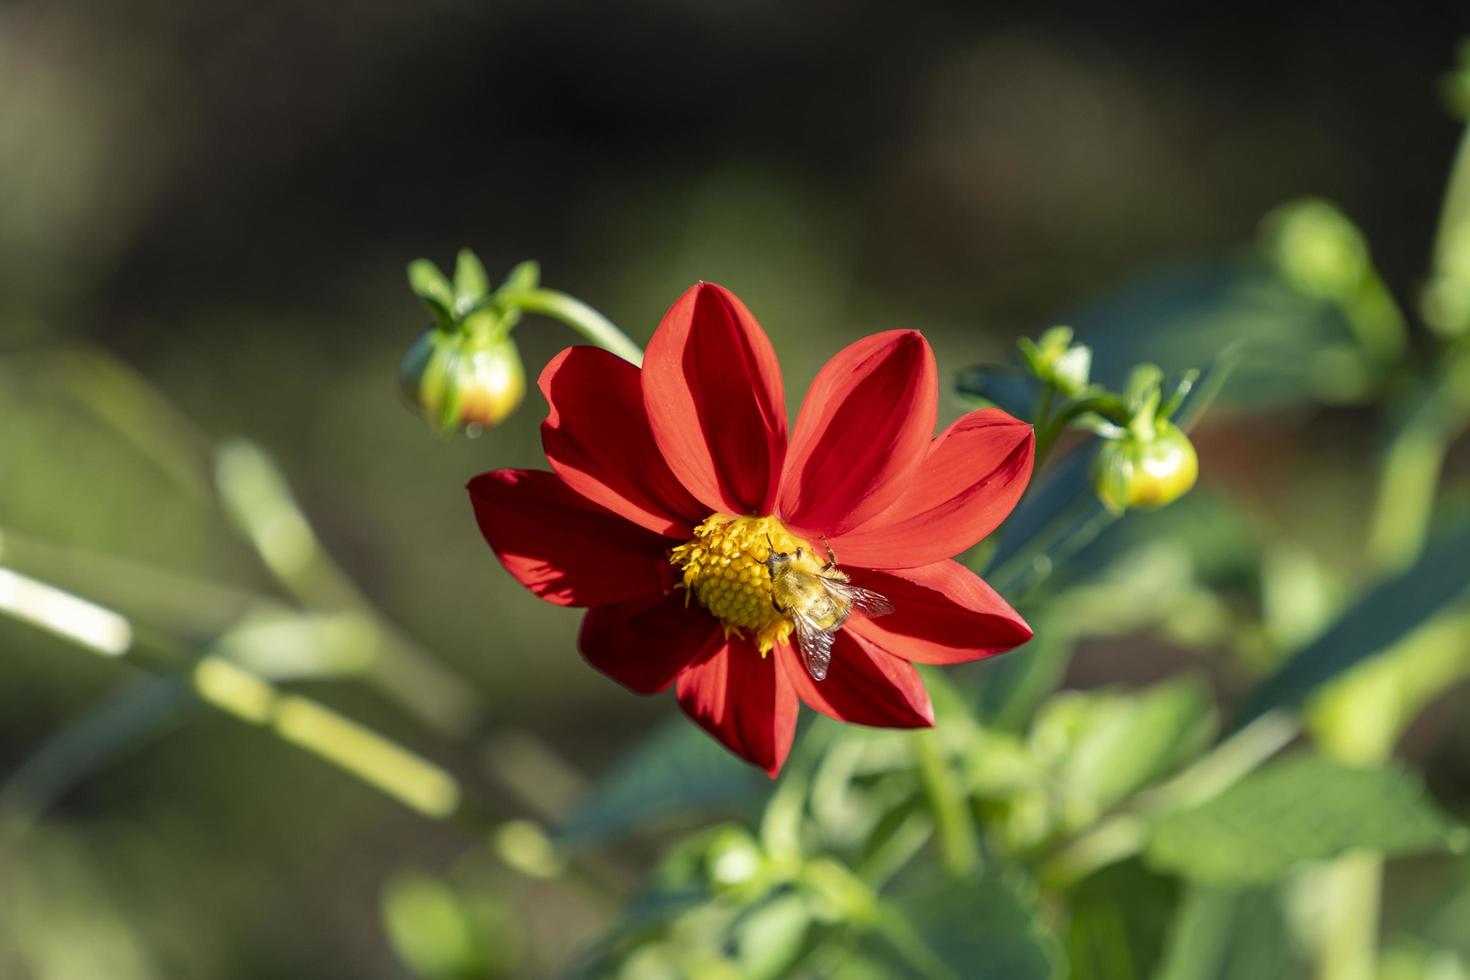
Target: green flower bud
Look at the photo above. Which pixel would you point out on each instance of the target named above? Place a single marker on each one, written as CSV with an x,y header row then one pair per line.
x,y
1317,248
462,382
1139,471
1058,362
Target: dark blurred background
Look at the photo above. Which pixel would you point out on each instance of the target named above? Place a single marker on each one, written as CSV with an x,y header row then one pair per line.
x,y
224,196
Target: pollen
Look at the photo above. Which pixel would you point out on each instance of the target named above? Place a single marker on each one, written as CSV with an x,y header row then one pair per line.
x,y
725,570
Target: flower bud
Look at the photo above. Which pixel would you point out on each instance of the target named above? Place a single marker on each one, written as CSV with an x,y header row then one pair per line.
x,y
463,382
1317,248
1058,362
1139,471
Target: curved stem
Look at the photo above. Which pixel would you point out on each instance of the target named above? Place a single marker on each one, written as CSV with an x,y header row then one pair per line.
x,y
579,316
957,844
1410,470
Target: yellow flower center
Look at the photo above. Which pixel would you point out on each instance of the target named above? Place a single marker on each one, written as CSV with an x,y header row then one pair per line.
x,y
725,569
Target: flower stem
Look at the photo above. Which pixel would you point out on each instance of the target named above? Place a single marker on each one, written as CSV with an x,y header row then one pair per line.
x,y
580,317
1412,461
957,844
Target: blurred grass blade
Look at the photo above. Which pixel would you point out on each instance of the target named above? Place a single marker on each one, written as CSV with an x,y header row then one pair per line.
x,y
676,769
133,713
1381,618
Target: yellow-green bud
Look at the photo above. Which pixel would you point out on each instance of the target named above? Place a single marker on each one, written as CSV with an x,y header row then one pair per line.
x,y
1135,471
462,382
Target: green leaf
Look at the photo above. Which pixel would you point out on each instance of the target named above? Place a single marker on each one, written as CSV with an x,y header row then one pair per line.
x,y
430,929
471,282
985,927
1183,316
1124,741
1381,618
1120,919
1229,935
769,940
678,768
430,286
1295,811
1007,388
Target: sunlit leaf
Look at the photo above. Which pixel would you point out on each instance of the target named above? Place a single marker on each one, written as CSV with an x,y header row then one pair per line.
x,y
1295,811
1124,741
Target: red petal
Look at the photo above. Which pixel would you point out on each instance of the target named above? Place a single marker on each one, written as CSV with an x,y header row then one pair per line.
x,y
598,441
744,700
564,548
644,644
943,614
864,685
712,386
864,428
968,483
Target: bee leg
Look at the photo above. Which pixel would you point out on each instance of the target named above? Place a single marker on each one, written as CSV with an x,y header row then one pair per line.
x,y
831,555
776,605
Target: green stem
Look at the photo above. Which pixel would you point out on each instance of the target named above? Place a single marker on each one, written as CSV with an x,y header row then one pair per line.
x,y
304,722
259,499
957,844
1411,465
579,316
1347,949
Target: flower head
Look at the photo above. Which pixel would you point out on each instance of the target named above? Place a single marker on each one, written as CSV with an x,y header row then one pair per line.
x,y
674,486
463,382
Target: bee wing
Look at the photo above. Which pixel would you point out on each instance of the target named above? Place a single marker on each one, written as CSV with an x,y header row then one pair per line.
x,y
814,643
865,601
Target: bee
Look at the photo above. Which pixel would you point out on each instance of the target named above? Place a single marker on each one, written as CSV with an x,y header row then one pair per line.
x,y
819,598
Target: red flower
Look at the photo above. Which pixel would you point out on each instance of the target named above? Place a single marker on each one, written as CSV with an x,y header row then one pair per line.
x,y
672,484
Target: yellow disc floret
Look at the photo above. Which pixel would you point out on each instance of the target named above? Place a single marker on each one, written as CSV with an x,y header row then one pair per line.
x,y
725,569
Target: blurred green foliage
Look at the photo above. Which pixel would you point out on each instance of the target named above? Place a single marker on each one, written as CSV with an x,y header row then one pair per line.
x,y
342,743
